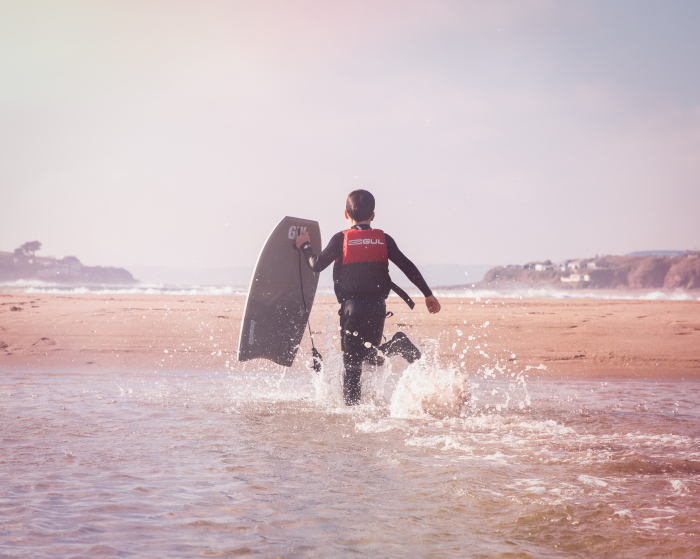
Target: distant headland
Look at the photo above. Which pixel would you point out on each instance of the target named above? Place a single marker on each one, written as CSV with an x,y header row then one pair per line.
x,y
671,270
23,264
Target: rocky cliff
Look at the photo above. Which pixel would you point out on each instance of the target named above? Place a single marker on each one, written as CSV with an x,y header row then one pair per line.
x,y
23,264
609,272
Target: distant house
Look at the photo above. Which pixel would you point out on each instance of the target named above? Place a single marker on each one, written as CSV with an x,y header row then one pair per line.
x,y
72,266
516,266
543,267
68,267
575,278
576,265
599,265
55,270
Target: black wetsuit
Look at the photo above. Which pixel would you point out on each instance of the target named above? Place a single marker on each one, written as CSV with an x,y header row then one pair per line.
x,y
362,289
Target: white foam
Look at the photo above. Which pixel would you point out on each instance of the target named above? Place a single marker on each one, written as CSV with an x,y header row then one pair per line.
x,y
381,426
37,286
498,422
496,457
678,486
541,293
592,480
441,442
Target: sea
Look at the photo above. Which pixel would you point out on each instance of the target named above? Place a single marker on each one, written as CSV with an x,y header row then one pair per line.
x,y
258,460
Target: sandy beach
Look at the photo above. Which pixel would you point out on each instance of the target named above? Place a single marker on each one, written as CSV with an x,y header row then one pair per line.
x,y
573,338
130,428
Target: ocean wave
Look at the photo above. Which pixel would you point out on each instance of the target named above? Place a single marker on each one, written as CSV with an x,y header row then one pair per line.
x,y
38,286
540,293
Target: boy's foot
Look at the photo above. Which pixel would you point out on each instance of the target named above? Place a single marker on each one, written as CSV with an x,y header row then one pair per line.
x,y
373,357
399,344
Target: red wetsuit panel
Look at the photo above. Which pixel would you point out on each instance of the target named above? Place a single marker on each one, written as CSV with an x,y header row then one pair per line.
x,y
364,245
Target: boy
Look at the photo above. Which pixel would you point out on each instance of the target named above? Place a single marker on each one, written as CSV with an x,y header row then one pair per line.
x,y
362,284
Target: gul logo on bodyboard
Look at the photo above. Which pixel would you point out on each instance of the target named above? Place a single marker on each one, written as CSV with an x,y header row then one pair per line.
x,y
275,315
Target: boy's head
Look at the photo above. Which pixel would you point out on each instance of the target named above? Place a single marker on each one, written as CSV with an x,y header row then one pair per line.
x,y
360,205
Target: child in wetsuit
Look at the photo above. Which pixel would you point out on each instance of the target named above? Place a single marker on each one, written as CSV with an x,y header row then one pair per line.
x,y
361,282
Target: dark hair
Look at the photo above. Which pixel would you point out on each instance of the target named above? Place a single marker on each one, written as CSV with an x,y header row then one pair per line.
x,y
360,205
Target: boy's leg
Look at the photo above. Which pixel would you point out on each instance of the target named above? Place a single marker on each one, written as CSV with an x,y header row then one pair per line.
x,y
399,344
352,357
352,361
360,322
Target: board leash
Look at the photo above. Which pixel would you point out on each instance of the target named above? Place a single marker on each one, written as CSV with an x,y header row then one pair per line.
x,y
317,357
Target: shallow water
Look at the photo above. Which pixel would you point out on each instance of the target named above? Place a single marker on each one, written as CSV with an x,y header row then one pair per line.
x,y
243,462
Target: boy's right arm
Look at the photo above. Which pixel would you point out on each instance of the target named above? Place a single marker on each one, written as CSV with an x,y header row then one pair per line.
x,y
319,263
302,239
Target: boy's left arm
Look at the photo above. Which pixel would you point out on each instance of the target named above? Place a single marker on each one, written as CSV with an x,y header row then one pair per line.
x,y
412,273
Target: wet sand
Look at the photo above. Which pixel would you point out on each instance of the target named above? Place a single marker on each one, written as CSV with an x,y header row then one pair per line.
x,y
574,338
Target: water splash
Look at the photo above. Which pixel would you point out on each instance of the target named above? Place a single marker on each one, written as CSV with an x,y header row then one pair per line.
x,y
328,382
432,386
425,388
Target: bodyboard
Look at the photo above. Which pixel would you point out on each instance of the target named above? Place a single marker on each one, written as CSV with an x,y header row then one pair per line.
x,y
276,308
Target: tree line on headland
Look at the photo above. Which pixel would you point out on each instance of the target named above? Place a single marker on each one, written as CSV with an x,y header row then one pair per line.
x,y
23,264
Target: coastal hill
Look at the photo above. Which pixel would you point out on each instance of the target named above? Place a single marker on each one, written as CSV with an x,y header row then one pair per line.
x,y
607,272
23,264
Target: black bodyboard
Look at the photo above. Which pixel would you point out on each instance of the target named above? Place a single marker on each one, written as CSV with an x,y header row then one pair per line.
x,y
275,313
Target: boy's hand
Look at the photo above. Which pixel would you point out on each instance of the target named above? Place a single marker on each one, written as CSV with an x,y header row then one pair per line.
x,y
433,304
303,238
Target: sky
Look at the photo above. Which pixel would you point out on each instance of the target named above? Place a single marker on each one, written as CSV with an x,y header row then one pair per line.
x,y
179,133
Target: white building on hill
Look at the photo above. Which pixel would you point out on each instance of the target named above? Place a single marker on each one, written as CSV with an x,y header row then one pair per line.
x,y
575,278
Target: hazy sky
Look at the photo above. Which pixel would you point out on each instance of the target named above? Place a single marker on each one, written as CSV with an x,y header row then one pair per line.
x,y
179,133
